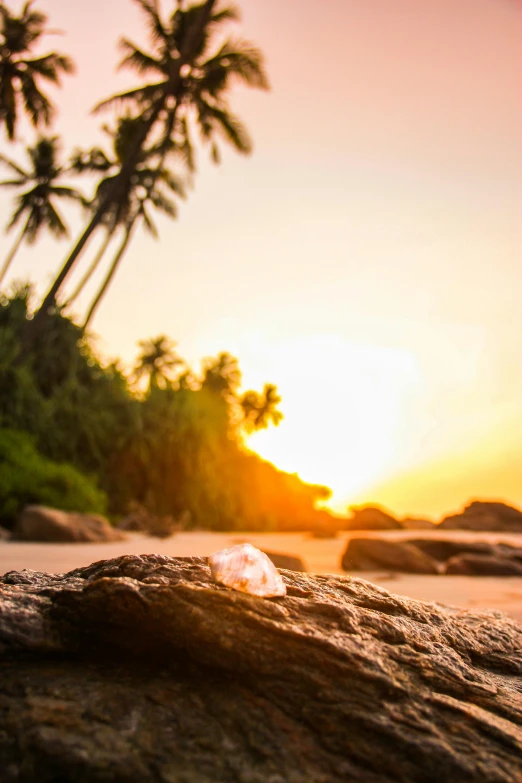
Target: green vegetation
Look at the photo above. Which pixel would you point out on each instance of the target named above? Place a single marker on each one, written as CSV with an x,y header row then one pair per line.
x,y
163,437
27,477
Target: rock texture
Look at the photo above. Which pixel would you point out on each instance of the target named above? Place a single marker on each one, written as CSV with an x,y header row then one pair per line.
x,y
143,669
372,554
483,565
40,523
371,518
481,515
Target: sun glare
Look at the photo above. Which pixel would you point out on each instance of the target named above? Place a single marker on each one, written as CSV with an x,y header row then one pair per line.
x,y
350,441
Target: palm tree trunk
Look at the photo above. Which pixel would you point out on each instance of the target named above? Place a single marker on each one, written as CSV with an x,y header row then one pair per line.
x,y
193,40
110,274
13,252
94,265
121,181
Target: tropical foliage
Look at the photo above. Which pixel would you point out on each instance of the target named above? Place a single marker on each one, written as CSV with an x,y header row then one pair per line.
x,y
165,437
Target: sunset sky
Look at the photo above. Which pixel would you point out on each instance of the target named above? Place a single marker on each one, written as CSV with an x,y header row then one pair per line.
x,y
367,258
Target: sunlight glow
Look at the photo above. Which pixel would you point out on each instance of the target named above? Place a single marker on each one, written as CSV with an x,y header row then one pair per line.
x,y
350,442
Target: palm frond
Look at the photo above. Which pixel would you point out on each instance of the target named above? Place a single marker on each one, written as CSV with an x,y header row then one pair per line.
x,y
23,206
12,183
13,166
157,30
37,105
239,60
228,124
164,204
146,94
148,223
137,59
54,221
90,160
50,65
69,193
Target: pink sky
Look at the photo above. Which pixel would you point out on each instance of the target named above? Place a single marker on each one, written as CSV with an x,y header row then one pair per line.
x,y
366,258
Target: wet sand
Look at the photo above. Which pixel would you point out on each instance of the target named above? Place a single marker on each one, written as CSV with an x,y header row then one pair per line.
x,y
321,556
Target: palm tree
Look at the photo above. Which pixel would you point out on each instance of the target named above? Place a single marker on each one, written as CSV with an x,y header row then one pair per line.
x,y
145,185
260,410
191,69
156,361
152,189
40,185
21,74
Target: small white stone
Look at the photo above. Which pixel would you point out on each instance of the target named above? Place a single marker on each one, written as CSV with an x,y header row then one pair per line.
x,y
248,570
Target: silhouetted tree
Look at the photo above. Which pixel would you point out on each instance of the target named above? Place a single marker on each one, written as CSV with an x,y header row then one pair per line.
x,y
40,186
156,361
192,68
151,185
260,410
21,73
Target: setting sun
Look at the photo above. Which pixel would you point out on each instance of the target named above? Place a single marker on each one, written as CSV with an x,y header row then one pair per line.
x,y
345,406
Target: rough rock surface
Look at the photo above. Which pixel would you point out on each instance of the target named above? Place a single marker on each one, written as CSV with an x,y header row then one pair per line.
x,y
370,554
290,562
141,669
483,565
40,523
481,515
371,518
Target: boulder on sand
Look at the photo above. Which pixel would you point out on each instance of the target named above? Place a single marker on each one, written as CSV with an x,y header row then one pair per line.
x,y
371,518
144,669
488,516
483,565
442,550
374,554
290,562
40,523
410,523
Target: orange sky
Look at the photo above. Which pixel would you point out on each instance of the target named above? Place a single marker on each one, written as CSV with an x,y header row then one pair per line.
x,y
366,258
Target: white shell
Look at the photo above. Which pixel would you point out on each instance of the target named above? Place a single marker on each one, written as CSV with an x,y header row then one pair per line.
x,y
247,569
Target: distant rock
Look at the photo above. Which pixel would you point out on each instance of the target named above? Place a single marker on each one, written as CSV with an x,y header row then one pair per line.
x,y
371,554
142,669
5,535
442,550
40,523
485,515
417,524
290,562
371,518
483,565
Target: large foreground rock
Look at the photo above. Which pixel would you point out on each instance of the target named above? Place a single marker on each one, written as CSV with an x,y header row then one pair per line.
x,y
371,554
482,515
142,670
40,523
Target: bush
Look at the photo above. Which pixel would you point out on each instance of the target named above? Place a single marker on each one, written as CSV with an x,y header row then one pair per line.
x,y
27,477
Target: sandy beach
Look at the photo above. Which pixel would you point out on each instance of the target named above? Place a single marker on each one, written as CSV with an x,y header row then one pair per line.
x,y
319,556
